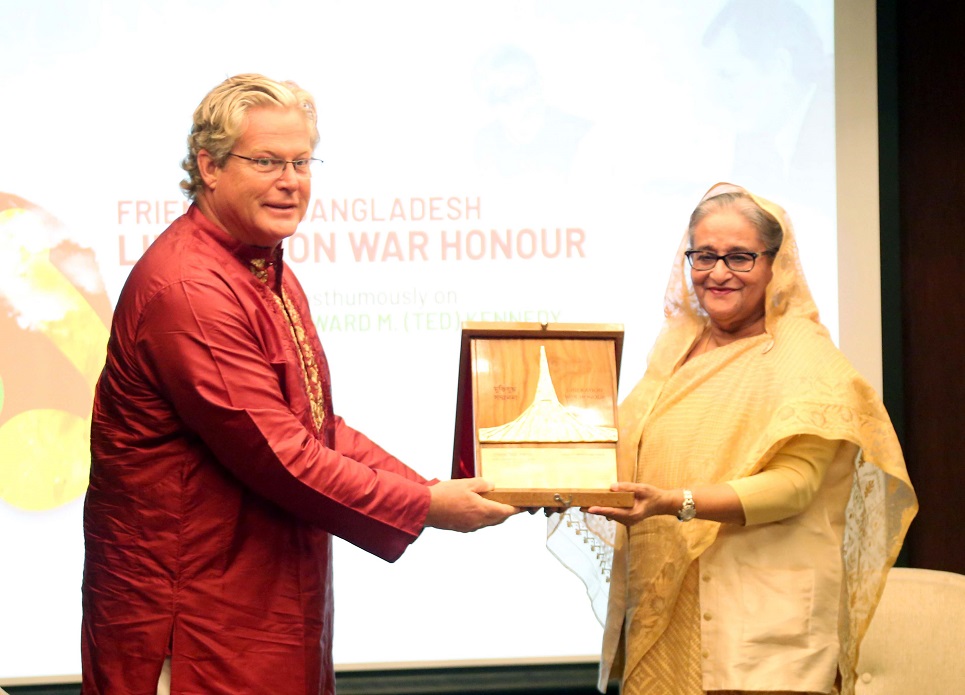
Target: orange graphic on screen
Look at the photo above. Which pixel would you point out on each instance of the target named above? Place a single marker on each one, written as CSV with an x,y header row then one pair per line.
x,y
54,319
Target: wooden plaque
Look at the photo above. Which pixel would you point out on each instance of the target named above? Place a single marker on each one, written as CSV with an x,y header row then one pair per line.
x,y
536,412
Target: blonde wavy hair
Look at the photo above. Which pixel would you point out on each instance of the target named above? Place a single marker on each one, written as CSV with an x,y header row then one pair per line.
x,y
219,119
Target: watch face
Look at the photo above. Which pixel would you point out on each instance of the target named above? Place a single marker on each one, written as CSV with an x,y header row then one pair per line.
x,y
689,510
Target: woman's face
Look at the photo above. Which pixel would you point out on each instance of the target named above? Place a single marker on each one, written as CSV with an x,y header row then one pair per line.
x,y
734,301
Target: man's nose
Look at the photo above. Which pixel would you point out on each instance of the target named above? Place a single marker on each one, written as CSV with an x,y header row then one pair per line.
x,y
287,178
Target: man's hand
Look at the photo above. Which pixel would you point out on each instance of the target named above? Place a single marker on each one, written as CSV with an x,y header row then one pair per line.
x,y
455,505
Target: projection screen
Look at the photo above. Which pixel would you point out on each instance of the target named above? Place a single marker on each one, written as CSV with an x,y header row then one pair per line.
x,y
514,160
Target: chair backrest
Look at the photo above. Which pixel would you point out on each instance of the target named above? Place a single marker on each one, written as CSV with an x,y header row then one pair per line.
x,y
916,641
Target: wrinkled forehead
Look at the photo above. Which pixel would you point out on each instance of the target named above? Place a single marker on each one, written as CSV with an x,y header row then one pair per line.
x,y
276,124
727,228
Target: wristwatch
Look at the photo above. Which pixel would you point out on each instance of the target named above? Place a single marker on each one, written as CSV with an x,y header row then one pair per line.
x,y
688,510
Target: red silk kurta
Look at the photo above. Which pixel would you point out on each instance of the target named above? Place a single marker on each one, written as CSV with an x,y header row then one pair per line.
x,y
213,492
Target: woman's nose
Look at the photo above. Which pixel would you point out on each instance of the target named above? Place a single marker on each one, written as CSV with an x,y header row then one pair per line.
x,y
720,269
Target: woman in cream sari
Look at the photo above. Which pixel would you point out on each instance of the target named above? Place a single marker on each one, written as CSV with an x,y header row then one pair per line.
x,y
771,496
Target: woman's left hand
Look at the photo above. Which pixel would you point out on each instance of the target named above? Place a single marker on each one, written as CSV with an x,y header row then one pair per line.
x,y
647,501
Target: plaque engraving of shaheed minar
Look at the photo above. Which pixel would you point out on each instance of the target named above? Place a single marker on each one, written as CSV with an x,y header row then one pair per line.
x,y
546,419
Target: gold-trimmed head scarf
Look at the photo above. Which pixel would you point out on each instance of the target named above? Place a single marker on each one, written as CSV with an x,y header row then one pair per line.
x,y
841,407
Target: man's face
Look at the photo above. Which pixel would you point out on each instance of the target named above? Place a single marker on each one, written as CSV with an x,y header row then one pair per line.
x,y
256,208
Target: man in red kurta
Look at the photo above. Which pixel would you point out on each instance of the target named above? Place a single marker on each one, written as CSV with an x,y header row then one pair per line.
x,y
219,468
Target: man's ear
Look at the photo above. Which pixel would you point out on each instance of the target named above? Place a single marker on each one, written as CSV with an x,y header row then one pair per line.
x,y
208,169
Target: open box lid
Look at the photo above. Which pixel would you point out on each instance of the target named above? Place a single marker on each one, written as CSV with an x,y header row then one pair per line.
x,y
536,411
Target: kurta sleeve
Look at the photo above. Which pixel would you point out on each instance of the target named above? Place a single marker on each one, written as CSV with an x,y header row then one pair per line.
x,y
213,353
789,481
359,447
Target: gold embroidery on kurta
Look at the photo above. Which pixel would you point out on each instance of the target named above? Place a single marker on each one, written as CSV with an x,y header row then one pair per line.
x,y
310,372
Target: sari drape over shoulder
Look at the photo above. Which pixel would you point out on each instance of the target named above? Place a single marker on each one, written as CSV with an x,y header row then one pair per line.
x,y
722,416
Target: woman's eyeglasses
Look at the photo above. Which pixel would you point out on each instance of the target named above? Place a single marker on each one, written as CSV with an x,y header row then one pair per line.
x,y
739,261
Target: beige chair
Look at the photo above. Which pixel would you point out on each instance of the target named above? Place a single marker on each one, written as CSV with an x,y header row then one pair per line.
x,y
916,642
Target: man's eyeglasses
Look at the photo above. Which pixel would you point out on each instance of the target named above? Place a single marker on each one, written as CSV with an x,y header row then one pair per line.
x,y
739,261
271,165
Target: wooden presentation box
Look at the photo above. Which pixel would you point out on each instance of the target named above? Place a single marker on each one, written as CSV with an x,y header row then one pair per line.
x,y
536,412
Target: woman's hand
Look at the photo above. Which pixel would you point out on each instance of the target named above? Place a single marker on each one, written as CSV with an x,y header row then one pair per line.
x,y
716,502
647,501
